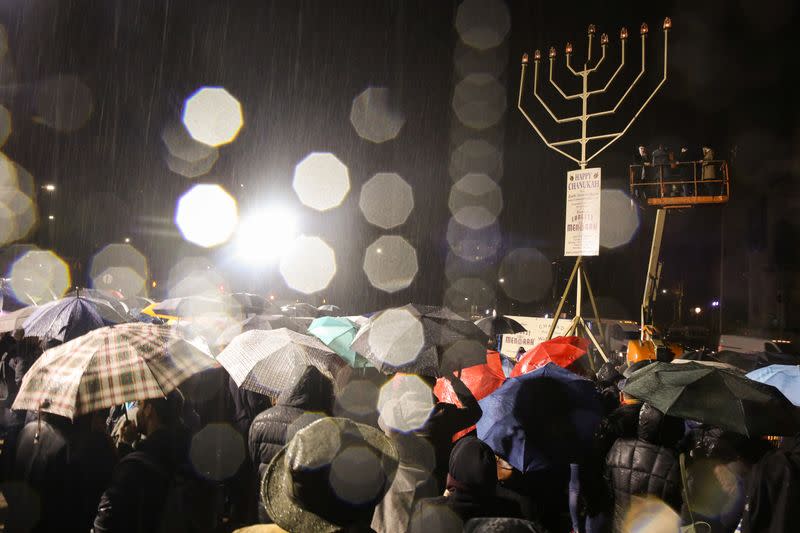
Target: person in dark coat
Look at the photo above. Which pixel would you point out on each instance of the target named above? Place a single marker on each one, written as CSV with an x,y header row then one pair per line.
x,y
139,497
774,492
646,465
40,494
310,398
246,406
472,489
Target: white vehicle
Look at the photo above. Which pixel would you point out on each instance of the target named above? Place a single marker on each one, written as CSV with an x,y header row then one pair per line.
x,y
747,344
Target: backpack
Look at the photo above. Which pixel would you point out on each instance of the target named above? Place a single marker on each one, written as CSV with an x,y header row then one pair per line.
x,y
191,502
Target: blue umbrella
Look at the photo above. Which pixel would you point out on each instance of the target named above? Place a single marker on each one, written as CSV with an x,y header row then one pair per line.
x,y
544,418
785,378
64,319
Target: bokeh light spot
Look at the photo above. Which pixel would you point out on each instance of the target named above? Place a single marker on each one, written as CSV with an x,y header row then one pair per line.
x,y
356,475
470,60
619,219
475,201
483,24
194,276
206,215
650,515
473,244
391,263
479,101
213,116
39,276
63,103
308,265
119,267
468,292
264,236
321,181
217,451
392,328
358,399
527,274
386,200
180,144
373,117
478,156
405,403
192,169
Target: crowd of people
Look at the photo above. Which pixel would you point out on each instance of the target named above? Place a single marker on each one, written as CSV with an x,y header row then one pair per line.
x,y
665,172
322,459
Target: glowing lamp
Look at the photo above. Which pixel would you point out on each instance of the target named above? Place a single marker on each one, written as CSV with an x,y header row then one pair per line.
x,y
644,29
623,33
604,39
667,24
592,29
525,59
568,48
537,55
552,53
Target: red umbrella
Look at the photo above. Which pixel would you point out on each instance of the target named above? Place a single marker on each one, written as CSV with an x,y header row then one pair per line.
x,y
562,351
481,380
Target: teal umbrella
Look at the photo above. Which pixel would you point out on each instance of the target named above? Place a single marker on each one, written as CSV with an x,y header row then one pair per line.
x,y
337,333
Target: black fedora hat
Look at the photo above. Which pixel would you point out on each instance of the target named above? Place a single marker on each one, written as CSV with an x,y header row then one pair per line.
x,y
331,474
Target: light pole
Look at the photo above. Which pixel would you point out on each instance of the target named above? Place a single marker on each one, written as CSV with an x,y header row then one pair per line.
x,y
578,271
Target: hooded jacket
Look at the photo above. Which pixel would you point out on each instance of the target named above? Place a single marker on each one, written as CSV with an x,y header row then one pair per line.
x,y
472,489
774,493
648,464
298,406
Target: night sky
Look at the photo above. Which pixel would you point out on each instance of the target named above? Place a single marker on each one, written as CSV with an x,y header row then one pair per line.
x,y
296,67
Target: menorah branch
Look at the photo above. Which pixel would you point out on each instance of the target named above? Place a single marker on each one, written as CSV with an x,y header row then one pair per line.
x,y
541,101
563,94
630,88
600,62
611,80
652,94
533,125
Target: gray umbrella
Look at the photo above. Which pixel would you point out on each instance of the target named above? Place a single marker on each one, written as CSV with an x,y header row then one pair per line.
x,y
264,361
423,340
262,322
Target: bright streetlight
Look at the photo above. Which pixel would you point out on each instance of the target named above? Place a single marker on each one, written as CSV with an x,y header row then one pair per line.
x,y
697,310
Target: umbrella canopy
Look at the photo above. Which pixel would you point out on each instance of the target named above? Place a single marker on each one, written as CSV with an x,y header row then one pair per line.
x,y
252,304
337,333
481,380
330,310
544,418
499,325
423,340
785,378
264,361
300,309
15,319
192,306
562,351
64,319
110,366
715,364
258,322
751,361
715,396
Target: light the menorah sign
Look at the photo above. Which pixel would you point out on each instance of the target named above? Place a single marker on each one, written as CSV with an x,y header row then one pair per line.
x,y
578,271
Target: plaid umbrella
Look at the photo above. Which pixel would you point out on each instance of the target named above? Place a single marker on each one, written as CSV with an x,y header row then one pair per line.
x,y
337,333
110,366
263,361
715,396
423,340
262,322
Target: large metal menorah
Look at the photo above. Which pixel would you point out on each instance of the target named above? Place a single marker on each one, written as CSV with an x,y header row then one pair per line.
x,y
578,271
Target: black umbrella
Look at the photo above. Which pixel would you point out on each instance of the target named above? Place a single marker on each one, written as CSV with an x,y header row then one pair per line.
x,y
253,304
715,396
499,325
752,361
422,340
300,309
330,310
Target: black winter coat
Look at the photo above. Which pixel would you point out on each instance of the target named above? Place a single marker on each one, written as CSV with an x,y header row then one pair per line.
x,y
136,499
272,429
648,464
